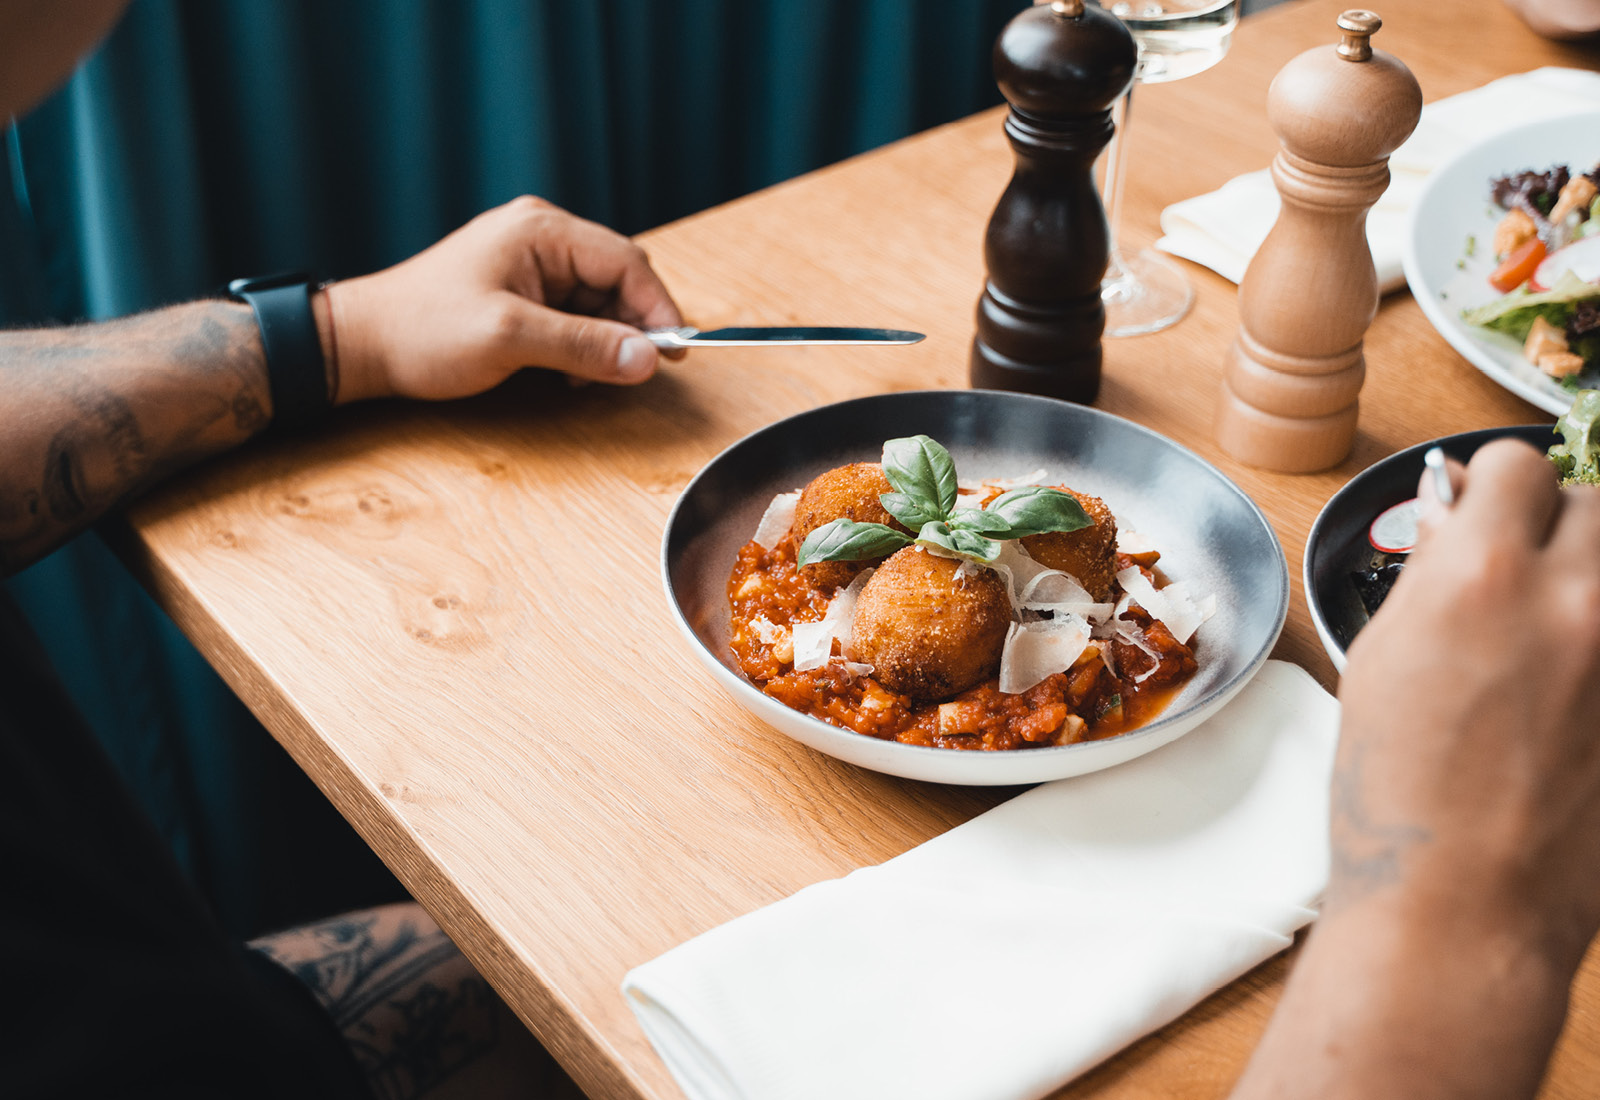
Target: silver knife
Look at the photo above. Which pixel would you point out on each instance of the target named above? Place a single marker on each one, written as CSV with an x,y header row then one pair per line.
x,y
785,336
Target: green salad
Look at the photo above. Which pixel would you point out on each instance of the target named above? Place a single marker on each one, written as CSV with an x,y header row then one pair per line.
x,y
1577,456
1547,248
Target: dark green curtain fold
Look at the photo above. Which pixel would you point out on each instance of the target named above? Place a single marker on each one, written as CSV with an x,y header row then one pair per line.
x,y
213,138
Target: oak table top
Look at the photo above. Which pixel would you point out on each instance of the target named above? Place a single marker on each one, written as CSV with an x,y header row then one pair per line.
x,y
452,615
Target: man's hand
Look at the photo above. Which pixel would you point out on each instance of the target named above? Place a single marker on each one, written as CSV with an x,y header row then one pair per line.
x,y
1471,711
1466,810
523,285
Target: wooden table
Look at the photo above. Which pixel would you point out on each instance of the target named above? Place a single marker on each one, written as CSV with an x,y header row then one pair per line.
x,y
452,616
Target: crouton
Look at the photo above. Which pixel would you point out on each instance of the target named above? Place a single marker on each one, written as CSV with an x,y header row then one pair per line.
x,y
1560,364
1514,230
1543,339
1576,195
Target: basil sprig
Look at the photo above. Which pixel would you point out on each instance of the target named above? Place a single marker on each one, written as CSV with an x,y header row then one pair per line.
x,y
924,500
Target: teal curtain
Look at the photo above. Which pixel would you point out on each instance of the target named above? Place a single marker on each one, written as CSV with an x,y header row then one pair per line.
x,y
213,138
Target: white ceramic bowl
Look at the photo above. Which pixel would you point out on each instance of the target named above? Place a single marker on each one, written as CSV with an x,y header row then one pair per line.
x,y
1453,205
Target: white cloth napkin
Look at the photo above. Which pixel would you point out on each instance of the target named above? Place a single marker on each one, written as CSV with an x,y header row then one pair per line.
x,y
1222,230
1003,958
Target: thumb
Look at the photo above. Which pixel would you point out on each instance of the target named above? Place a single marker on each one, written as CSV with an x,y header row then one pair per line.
x,y
585,347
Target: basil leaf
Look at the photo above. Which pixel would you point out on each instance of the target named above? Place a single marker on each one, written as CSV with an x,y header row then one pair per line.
x,y
847,540
907,509
922,470
981,520
966,543
1035,509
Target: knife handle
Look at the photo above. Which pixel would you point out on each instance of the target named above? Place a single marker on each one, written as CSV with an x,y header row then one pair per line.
x,y
672,337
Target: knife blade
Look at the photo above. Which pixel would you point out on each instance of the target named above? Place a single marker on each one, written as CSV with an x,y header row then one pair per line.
x,y
777,336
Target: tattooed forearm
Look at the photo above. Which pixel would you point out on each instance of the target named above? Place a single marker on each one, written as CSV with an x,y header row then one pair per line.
x,y
93,413
109,433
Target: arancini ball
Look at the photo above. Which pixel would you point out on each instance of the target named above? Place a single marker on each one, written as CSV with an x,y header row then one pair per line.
x,y
1089,553
927,633
844,492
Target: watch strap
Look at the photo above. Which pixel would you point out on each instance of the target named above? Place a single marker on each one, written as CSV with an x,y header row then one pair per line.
x,y
297,376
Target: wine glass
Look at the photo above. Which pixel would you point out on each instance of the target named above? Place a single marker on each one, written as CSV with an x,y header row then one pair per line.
x,y
1146,292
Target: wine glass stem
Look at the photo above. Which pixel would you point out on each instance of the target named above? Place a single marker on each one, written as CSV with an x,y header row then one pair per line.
x,y
1116,175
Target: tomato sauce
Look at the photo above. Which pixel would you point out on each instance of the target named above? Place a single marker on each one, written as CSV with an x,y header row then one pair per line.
x,y
1089,701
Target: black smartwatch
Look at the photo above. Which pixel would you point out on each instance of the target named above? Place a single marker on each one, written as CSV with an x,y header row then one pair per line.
x,y
297,376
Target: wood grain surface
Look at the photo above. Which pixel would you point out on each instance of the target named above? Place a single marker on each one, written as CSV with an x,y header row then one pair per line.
x,y
452,616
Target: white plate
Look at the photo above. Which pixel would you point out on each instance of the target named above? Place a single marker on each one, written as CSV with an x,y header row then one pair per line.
x,y
1211,535
1453,205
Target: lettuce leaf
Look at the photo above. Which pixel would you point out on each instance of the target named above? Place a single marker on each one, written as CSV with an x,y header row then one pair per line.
x,y
1577,457
1515,313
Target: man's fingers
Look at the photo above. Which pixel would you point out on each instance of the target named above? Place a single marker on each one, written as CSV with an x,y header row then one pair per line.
x,y
1431,513
574,253
1577,531
586,347
1511,490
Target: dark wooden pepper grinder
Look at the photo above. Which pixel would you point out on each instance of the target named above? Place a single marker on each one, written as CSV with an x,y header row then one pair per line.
x,y
1061,66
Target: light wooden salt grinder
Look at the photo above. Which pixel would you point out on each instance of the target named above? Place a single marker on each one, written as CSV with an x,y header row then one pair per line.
x,y
1289,395
1061,65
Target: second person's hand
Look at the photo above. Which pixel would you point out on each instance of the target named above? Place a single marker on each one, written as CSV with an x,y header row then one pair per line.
x,y
523,285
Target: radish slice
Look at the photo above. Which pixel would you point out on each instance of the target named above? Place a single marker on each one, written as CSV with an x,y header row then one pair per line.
x,y
1395,529
1581,257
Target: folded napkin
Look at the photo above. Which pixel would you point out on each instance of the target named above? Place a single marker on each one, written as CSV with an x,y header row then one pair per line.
x,y
1000,960
1223,229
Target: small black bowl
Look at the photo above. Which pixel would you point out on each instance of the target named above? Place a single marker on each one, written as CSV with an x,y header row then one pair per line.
x,y
1338,547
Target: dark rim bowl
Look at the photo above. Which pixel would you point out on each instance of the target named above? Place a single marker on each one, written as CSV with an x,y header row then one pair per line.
x,y
1212,535
1338,544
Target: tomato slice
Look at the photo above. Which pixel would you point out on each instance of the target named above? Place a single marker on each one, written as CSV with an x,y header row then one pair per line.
x,y
1515,269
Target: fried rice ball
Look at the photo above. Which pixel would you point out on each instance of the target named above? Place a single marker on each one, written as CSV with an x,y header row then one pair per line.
x,y
926,633
1089,553
845,492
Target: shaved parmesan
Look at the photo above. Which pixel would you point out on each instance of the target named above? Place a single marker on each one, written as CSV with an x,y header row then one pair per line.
x,y
967,568
1039,649
1125,631
776,520
1036,587
1132,542
768,631
813,642
856,669
1173,605
1037,477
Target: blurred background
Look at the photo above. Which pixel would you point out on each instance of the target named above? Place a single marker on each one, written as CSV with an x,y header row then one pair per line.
x,y
209,139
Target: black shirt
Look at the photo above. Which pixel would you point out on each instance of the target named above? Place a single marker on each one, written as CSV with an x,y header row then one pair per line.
x,y
117,981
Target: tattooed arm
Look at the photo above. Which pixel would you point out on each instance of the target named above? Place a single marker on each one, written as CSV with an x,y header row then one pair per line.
x,y
1466,811
93,413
